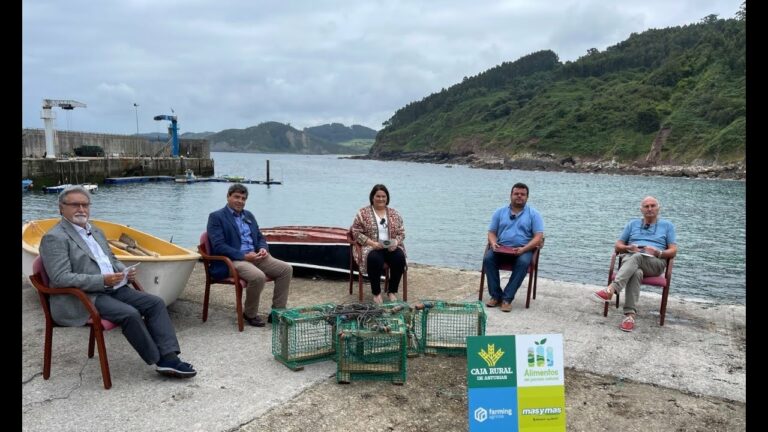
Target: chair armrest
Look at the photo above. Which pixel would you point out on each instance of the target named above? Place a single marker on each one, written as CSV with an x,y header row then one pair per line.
x,y
77,292
207,258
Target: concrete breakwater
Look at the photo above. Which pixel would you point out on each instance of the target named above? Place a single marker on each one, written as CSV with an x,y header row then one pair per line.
x,y
123,156
52,172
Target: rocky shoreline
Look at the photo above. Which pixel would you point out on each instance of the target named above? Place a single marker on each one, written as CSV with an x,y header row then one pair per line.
x,y
549,162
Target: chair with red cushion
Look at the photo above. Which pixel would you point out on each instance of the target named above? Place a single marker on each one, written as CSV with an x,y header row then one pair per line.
x,y
662,281
234,279
97,325
533,272
355,248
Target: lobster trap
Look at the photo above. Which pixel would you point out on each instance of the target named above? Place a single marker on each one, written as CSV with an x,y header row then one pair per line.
x,y
303,335
371,349
446,325
412,320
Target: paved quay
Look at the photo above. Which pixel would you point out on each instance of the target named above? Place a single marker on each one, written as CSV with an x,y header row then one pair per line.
x,y
700,349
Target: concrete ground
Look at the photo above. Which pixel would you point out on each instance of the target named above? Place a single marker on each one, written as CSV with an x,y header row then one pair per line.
x,y
700,349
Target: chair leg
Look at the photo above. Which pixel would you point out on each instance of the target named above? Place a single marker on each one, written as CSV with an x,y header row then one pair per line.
x,y
530,288
405,283
91,338
386,280
605,309
205,301
360,286
239,306
105,375
535,278
663,310
47,350
482,282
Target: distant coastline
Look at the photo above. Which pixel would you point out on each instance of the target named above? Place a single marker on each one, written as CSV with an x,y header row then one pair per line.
x,y
546,162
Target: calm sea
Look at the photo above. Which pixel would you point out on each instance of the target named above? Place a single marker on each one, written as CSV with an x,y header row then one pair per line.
x,y
447,209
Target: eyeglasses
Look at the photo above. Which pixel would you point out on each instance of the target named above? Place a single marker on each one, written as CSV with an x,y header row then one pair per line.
x,y
76,205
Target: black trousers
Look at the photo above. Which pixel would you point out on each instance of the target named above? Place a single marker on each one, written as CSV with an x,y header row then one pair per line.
x,y
396,262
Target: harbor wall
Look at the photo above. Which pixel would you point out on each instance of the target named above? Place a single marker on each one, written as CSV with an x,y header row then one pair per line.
x,y
33,145
52,172
124,156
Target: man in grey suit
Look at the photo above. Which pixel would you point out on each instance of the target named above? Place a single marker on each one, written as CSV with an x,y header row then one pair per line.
x,y
76,254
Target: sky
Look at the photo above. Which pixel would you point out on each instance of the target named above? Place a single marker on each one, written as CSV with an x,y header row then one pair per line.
x,y
234,64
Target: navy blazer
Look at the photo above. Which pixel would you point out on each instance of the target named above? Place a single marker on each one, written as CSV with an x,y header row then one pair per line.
x,y
224,237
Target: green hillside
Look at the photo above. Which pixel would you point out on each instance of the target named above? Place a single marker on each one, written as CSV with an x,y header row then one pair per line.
x,y
274,137
684,87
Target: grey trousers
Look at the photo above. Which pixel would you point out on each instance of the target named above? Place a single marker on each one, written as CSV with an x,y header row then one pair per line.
x,y
151,336
630,274
256,275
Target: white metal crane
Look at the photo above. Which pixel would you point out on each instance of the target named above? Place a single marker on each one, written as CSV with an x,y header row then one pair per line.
x,y
48,118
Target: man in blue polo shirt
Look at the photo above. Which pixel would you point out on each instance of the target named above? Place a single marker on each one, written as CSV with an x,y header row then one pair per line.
x,y
648,242
517,229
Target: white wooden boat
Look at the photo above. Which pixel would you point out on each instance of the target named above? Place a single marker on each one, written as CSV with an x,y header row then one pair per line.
x,y
164,275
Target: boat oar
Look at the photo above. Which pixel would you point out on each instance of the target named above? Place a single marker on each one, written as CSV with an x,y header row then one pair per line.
x,y
131,242
126,247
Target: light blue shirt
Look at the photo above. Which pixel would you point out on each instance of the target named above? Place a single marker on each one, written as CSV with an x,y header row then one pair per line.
x,y
246,241
516,230
659,235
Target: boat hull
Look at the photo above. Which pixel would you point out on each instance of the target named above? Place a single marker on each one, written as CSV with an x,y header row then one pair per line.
x,y
312,247
165,275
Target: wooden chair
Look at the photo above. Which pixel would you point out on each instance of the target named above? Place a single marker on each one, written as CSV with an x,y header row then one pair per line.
x,y
97,325
234,279
533,273
662,281
355,248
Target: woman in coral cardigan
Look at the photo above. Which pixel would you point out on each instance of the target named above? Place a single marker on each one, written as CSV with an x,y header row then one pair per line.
x,y
379,229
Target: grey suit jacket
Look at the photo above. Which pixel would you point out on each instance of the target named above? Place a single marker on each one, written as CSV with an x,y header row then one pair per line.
x,y
70,263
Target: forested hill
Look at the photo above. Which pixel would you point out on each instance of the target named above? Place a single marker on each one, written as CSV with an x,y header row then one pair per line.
x,y
674,95
274,137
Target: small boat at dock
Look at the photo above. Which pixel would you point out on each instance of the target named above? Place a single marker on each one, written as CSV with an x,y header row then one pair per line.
x,y
26,185
90,187
165,267
187,177
313,247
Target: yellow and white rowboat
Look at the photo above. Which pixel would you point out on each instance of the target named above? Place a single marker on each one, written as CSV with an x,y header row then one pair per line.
x,y
164,275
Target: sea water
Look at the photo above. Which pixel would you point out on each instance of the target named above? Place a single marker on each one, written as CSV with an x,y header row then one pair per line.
x,y
446,211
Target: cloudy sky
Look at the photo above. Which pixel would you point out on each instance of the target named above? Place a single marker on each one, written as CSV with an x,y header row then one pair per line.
x,y
234,64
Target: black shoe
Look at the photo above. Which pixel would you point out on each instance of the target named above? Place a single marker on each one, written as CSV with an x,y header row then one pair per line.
x,y
255,321
175,368
269,318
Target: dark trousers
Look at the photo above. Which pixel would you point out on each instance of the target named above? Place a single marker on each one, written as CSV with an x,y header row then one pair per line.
x,y
151,336
396,262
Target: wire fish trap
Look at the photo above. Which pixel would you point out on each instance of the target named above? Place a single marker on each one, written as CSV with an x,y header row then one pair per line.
x,y
301,336
446,325
371,349
412,319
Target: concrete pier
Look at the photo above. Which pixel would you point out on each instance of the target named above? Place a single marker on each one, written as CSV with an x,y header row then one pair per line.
x,y
124,156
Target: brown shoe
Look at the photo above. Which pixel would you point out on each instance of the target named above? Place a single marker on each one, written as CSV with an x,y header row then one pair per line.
x,y
492,303
506,307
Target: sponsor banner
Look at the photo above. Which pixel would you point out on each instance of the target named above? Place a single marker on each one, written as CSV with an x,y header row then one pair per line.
x,y
491,361
516,383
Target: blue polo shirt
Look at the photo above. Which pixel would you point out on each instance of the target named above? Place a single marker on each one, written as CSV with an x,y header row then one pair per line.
x,y
516,231
659,235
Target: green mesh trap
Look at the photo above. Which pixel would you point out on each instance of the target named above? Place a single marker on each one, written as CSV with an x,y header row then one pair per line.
x,y
446,325
412,320
303,335
372,348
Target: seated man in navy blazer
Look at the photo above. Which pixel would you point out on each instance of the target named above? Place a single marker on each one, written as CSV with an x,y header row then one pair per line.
x,y
234,233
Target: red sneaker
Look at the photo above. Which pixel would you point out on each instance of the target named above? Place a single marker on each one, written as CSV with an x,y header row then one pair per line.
x,y
628,323
602,295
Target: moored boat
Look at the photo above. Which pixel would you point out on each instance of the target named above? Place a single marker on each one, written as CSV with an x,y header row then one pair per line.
x,y
90,187
187,177
164,275
314,247
26,185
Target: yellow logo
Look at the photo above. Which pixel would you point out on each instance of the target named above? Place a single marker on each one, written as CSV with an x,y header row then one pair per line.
x,y
491,356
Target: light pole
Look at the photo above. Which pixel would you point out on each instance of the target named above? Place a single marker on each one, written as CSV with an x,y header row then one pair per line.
x,y
136,108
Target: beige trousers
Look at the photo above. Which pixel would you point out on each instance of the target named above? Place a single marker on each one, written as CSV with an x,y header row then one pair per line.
x,y
256,276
